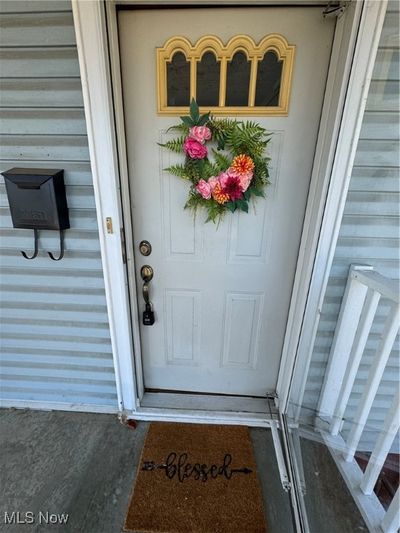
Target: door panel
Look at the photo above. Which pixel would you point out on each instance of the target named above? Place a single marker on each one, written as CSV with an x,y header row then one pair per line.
x,y
220,294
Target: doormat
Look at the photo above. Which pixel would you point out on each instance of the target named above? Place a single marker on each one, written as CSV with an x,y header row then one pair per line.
x,y
196,478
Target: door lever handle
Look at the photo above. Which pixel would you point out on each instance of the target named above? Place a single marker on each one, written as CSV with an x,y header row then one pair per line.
x,y
145,292
146,273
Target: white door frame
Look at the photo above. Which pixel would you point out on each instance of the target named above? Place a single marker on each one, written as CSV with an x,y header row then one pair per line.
x,y
96,33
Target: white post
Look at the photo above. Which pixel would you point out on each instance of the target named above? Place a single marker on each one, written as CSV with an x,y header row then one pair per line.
x,y
391,522
349,316
367,317
374,379
382,447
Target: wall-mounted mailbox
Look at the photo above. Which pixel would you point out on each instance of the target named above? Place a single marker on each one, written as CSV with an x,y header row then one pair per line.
x,y
38,201
37,198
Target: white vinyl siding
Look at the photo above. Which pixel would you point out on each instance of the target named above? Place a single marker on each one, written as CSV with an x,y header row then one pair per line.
x,y
55,340
369,231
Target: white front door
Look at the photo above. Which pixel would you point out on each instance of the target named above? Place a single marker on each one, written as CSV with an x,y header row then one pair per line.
x,y
221,294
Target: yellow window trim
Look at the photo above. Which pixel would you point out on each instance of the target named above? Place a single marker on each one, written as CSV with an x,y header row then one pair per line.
x,y
255,53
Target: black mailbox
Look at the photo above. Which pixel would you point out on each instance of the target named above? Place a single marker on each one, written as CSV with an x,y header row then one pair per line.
x,y
37,198
37,201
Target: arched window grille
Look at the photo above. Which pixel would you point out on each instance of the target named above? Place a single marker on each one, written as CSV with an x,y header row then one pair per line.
x,y
238,78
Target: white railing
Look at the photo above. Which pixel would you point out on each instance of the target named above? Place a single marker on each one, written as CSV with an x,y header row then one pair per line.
x,y
363,292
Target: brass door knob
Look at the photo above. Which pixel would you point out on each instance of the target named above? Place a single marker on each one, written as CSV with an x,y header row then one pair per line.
x,y
146,273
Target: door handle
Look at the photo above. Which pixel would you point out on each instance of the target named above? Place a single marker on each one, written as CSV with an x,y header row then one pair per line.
x,y
147,273
145,292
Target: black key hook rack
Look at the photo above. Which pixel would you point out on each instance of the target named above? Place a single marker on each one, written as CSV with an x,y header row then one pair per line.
x,y
38,201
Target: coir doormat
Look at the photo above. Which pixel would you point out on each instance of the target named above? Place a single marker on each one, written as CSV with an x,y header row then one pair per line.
x,y
196,479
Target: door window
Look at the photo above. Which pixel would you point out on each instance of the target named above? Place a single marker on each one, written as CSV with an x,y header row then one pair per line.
x,y
239,78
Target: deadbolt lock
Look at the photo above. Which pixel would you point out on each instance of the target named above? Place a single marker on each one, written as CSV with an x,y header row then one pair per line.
x,y
145,248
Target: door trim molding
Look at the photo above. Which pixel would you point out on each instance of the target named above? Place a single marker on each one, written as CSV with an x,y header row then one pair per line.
x,y
91,37
121,155
96,34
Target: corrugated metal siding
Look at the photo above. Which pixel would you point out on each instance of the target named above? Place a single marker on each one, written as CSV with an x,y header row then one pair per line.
x,y
369,232
55,336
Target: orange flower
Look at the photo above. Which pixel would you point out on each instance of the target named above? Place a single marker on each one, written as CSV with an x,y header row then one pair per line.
x,y
242,164
218,195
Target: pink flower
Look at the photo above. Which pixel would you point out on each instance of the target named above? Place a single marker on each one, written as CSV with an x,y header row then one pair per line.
x,y
194,149
231,186
204,189
200,134
245,181
212,182
244,178
223,177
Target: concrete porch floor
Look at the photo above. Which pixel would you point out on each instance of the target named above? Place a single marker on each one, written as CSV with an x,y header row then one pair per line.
x,y
84,465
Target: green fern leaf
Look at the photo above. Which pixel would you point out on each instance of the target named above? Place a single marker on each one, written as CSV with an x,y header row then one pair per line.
x,y
215,212
210,169
183,128
194,169
175,145
178,170
247,137
222,161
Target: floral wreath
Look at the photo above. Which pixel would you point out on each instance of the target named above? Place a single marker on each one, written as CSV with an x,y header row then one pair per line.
x,y
239,171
